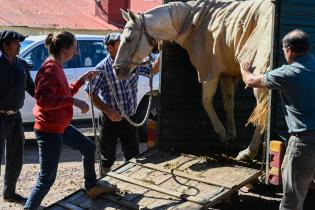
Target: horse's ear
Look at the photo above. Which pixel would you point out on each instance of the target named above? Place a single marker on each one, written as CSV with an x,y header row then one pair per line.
x,y
124,14
132,16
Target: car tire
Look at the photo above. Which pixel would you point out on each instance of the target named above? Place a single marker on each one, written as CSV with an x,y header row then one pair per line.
x,y
140,114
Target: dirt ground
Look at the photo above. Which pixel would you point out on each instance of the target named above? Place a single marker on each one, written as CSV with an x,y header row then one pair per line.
x,y
70,179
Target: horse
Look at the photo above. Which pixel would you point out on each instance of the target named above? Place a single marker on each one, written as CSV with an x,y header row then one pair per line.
x,y
217,34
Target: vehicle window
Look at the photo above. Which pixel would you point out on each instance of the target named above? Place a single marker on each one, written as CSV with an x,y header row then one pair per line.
x,y
24,44
37,56
73,63
91,53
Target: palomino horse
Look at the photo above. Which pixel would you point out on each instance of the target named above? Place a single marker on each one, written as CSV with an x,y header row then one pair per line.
x,y
216,34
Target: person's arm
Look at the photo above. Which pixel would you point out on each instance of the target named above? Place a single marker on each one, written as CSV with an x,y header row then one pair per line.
x,y
74,87
110,113
30,85
250,79
93,87
156,66
146,70
81,105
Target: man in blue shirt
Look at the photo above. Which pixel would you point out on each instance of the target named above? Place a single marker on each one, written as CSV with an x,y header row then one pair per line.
x,y
14,80
296,83
113,124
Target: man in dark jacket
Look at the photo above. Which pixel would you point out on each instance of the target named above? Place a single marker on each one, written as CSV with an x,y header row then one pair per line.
x,y
14,80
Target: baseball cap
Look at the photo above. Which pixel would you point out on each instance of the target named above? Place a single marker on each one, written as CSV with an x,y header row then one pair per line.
x,y
9,35
111,38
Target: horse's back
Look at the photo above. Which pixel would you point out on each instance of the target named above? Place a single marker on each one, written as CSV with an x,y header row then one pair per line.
x,y
229,31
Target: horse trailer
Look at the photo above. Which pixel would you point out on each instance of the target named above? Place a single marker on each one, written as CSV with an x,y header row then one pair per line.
x,y
184,171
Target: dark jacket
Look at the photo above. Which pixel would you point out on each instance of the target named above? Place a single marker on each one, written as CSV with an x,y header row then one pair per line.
x,y
14,80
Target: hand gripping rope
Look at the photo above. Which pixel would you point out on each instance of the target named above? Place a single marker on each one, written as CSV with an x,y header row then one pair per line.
x,y
96,137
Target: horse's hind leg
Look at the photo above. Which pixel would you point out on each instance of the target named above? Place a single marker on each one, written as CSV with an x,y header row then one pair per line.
x,y
228,89
208,91
253,147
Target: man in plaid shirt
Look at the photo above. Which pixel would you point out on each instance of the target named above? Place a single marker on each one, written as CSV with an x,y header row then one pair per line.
x,y
113,124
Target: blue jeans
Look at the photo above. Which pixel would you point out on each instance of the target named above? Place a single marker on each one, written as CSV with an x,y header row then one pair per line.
x,y
49,153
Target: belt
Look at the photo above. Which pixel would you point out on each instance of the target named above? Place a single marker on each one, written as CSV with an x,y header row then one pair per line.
x,y
8,112
303,133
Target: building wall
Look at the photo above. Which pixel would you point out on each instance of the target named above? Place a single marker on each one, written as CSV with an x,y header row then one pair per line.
x,y
43,31
143,5
109,10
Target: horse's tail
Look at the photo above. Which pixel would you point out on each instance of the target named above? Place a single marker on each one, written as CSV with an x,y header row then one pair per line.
x,y
259,116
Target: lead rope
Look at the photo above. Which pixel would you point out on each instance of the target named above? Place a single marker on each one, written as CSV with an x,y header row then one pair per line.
x,y
122,110
97,140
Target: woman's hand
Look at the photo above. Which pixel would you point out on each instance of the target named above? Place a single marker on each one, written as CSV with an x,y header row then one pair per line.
x,y
88,76
81,105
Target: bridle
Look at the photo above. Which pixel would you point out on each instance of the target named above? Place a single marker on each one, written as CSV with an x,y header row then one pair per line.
x,y
151,40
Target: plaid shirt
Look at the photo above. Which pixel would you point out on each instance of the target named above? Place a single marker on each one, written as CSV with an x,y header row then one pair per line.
x,y
125,89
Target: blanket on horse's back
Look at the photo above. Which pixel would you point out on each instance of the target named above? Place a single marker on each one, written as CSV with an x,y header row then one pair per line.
x,y
224,32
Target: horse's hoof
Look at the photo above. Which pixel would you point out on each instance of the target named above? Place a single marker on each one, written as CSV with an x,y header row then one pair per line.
x,y
243,155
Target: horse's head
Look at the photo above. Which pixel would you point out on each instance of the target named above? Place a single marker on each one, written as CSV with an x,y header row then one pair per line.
x,y
135,44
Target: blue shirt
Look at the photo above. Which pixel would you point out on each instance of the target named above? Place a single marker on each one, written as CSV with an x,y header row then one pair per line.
x,y
125,89
296,83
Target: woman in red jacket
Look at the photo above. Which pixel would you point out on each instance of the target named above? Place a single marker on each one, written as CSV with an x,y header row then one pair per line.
x,y
53,112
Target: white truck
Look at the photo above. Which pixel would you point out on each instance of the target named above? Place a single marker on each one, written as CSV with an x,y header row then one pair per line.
x,y
91,51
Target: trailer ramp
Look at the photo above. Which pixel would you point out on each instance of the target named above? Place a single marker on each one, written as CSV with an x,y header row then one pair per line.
x,y
159,180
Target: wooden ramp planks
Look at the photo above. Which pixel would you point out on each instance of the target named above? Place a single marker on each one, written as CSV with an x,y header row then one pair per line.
x,y
158,180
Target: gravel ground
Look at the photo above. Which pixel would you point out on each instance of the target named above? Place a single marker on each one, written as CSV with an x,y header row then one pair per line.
x,y
70,179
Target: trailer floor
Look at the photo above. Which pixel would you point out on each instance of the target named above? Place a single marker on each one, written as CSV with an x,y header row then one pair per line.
x,y
159,180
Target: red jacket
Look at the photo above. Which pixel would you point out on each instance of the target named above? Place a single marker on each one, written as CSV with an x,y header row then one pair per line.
x,y
54,103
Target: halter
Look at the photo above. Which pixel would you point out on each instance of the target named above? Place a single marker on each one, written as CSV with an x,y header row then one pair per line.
x,y
151,40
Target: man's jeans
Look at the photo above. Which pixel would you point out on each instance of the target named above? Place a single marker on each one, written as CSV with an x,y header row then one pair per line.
x,y
49,153
298,170
12,136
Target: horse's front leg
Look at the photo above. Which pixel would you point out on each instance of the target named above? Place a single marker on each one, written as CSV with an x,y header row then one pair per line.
x,y
228,89
208,91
